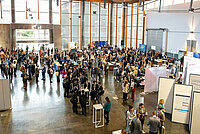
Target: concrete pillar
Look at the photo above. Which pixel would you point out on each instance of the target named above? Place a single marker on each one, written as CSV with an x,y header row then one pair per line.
x,y
13,10
83,17
50,12
51,35
111,23
12,31
124,25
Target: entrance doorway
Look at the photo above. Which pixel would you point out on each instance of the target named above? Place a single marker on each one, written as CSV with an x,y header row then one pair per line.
x,y
32,38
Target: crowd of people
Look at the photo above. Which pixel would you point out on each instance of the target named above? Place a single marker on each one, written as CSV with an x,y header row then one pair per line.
x,y
82,71
135,119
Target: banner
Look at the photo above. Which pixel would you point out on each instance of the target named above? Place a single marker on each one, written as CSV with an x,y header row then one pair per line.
x,y
143,47
152,77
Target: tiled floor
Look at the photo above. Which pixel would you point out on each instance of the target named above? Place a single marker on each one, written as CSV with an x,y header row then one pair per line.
x,y
43,109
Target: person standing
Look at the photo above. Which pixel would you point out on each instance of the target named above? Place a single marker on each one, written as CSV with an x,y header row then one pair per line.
x,y
6,71
74,101
100,92
154,124
83,100
125,90
66,85
129,118
136,125
142,111
10,73
107,107
15,68
133,90
161,115
37,73
43,72
87,84
51,74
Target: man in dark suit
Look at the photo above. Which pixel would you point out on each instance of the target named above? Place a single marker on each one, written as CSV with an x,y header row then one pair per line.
x,y
94,86
83,100
100,92
87,84
136,125
154,124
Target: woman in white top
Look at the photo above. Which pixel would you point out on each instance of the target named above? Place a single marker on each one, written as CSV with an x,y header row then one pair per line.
x,y
125,90
129,118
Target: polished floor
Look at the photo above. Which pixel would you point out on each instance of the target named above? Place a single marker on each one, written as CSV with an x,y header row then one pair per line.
x,y
42,109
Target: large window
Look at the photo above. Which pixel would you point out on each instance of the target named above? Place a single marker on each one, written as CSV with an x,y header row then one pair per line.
x,y
36,11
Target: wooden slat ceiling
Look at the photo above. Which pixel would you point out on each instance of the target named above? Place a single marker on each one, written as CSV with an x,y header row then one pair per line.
x,y
114,1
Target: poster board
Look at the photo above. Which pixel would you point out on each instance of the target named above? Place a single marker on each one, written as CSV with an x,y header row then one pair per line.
x,y
181,103
152,77
195,114
165,91
195,82
5,99
190,66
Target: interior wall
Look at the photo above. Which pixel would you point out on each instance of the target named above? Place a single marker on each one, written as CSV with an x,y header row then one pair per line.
x,y
5,39
180,26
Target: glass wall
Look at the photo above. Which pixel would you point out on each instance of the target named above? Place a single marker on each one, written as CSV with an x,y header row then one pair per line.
x,y
96,18
36,11
65,23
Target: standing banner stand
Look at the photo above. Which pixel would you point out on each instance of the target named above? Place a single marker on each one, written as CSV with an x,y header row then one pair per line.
x,y
181,103
98,115
195,115
5,99
152,77
165,91
195,81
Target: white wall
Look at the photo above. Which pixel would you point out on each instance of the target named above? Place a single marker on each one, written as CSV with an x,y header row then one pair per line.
x,y
179,26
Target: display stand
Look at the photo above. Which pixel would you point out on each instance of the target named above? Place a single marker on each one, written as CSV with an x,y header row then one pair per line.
x,y
98,109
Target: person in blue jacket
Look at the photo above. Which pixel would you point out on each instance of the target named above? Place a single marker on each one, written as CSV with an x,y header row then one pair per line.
x,y
107,107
